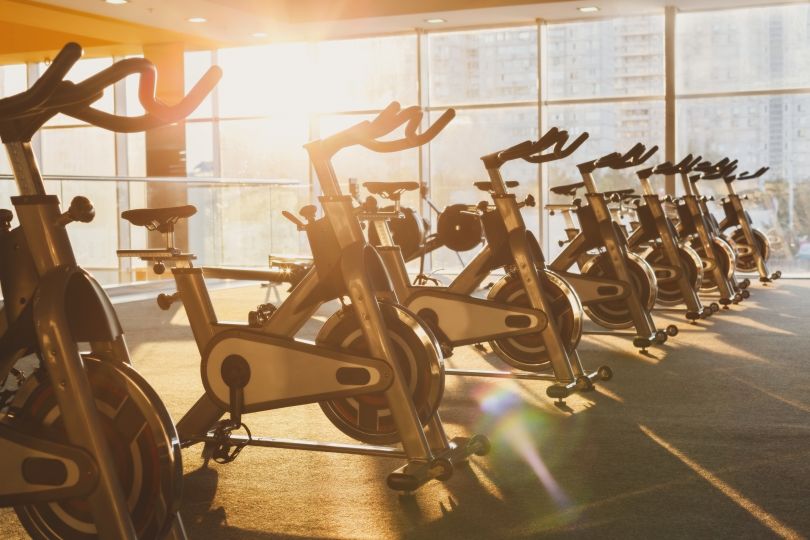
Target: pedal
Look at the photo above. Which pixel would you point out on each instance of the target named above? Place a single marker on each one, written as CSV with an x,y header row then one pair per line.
x,y
261,315
222,449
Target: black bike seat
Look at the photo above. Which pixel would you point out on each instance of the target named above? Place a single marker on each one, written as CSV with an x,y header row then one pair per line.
x,y
388,189
568,189
487,186
158,218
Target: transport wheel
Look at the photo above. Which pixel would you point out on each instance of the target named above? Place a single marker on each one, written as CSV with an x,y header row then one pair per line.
x,y
615,314
724,255
669,293
746,262
528,352
142,439
367,418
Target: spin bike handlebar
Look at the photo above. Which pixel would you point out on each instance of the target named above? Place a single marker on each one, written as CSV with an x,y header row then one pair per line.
x,y
684,166
616,160
23,103
750,176
368,133
157,112
533,151
51,95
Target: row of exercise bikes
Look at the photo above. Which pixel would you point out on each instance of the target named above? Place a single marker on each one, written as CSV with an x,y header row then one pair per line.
x,y
88,449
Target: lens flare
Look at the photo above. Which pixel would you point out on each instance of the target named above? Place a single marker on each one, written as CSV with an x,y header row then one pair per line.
x,y
510,422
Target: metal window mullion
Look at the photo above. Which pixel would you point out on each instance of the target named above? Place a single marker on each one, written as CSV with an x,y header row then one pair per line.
x,y
542,168
31,76
423,97
746,93
216,158
122,191
670,117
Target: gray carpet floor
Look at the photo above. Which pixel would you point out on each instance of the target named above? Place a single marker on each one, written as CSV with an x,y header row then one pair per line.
x,y
708,437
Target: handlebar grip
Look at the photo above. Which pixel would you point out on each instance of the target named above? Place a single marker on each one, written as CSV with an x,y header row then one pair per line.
x,y
518,151
46,85
385,122
411,140
190,102
749,176
573,146
437,126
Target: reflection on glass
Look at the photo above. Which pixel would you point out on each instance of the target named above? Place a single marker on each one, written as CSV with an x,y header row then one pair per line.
x,y
759,131
744,49
483,66
455,162
612,57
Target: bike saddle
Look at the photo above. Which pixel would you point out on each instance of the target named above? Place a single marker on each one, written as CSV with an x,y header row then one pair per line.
x,y
160,219
390,190
568,189
487,186
621,193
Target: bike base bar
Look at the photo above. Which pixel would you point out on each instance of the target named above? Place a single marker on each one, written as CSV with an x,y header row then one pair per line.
x,y
300,444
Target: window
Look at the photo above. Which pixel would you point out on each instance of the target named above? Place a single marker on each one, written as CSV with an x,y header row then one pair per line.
x,y
609,58
483,66
743,49
760,51
12,81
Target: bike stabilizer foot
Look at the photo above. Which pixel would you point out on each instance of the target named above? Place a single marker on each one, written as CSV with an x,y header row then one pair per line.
x,y
415,474
583,383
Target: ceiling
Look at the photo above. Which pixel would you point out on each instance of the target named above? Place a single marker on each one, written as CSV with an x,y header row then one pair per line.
x,y
33,27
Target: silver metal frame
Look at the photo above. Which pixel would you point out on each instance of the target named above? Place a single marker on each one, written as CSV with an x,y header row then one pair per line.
x,y
55,265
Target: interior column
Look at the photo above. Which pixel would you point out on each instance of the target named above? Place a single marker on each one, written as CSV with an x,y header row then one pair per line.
x,y
166,146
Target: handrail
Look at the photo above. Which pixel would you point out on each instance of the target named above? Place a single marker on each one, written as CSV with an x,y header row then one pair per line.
x,y
196,180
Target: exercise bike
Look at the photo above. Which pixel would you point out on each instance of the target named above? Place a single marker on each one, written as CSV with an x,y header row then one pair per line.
x,y
514,317
678,268
752,247
617,287
375,370
88,449
698,227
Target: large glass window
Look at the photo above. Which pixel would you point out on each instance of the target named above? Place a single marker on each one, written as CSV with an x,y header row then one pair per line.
x,y
760,52
483,66
12,81
609,58
745,49
365,74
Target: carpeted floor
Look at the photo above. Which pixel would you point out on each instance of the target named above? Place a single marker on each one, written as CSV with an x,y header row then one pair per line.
x,y
708,437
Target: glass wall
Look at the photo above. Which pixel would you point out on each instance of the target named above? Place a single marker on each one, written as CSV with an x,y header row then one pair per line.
x,y
744,92
742,86
605,78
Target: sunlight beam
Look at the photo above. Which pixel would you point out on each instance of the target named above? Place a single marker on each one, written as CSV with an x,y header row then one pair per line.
x,y
738,498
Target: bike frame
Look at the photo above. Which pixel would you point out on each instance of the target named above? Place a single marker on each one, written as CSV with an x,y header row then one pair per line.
x,y
736,215
695,219
64,294
344,265
654,225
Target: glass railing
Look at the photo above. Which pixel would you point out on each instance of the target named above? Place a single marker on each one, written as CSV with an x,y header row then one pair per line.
x,y
238,221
